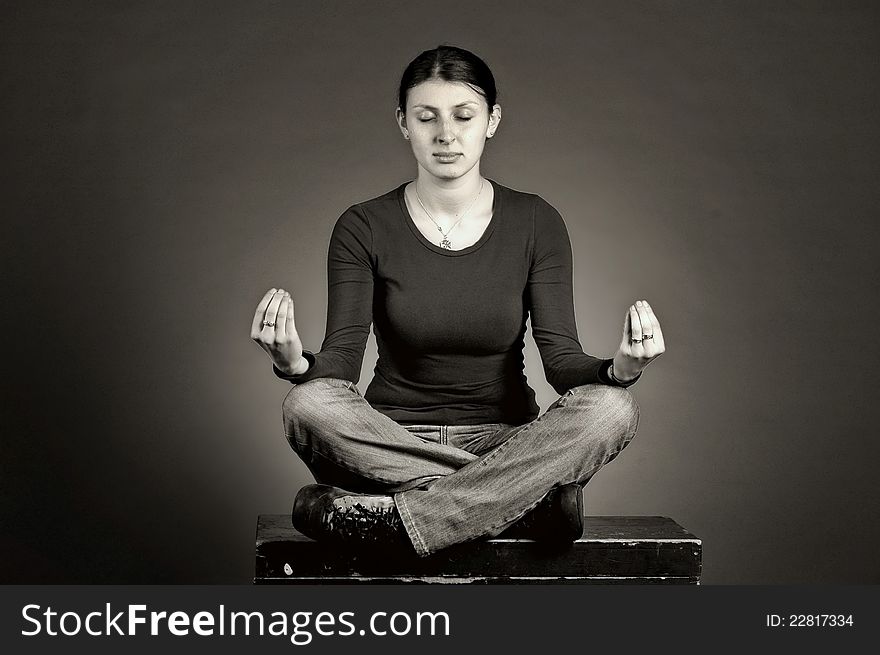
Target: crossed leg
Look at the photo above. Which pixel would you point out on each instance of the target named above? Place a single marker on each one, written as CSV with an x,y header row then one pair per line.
x,y
446,495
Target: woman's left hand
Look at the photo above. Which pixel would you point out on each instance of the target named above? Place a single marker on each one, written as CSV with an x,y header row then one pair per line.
x,y
642,341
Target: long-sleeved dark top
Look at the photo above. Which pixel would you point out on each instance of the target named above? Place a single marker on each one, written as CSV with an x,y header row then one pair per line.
x,y
450,324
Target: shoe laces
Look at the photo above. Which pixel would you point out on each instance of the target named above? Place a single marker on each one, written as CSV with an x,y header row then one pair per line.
x,y
361,523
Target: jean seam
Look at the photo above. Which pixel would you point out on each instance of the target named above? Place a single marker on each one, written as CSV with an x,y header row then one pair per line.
x,y
337,383
638,421
297,447
332,382
563,399
494,526
634,431
368,476
497,450
410,526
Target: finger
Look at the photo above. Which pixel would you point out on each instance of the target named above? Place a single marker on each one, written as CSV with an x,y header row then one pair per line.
x,y
636,323
658,331
636,347
281,322
272,310
281,318
257,324
655,322
644,318
649,340
290,324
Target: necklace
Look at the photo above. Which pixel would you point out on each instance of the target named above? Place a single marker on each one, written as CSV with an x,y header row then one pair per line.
x,y
445,242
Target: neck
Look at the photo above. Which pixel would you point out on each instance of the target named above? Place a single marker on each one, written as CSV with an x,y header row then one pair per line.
x,y
448,197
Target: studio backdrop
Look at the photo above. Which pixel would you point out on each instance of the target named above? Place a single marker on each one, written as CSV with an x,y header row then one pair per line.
x,y
165,163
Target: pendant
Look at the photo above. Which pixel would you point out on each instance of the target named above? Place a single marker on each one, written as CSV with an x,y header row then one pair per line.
x,y
446,244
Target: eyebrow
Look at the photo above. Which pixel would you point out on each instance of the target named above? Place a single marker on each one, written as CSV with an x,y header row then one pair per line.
x,y
461,104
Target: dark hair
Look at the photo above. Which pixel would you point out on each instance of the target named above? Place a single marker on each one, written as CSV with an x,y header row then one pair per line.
x,y
446,62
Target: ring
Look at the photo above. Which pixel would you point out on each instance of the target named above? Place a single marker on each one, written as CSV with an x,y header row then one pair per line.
x,y
265,323
635,341
647,336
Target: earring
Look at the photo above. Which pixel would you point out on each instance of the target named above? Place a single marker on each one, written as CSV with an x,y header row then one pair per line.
x,y
406,134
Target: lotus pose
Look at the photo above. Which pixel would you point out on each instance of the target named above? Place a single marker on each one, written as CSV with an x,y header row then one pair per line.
x,y
446,444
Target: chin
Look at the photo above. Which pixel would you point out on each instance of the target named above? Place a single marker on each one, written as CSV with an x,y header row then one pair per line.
x,y
447,171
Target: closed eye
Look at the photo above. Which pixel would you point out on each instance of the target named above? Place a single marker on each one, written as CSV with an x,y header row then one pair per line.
x,y
461,118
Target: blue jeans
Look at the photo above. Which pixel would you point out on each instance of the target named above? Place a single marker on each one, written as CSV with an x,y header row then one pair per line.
x,y
455,483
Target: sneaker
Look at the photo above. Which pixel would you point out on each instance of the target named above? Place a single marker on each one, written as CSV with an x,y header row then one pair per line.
x,y
558,518
326,513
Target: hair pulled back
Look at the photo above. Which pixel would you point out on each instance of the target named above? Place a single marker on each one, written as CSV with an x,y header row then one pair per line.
x,y
451,64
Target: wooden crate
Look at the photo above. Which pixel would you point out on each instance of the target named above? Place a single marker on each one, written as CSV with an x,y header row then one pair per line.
x,y
613,550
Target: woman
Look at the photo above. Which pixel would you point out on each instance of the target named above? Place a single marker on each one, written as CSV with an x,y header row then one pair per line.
x,y
446,444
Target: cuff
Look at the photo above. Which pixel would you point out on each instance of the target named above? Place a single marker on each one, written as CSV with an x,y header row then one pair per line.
x,y
309,357
605,376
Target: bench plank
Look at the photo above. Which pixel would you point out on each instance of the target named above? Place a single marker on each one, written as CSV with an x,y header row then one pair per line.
x,y
614,549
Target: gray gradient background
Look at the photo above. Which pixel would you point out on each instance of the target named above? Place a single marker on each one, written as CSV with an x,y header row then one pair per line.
x,y
165,163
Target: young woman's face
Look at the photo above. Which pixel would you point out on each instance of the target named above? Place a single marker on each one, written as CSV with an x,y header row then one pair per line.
x,y
451,119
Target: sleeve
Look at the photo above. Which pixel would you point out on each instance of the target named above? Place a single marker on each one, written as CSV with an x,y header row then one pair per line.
x,y
349,302
550,302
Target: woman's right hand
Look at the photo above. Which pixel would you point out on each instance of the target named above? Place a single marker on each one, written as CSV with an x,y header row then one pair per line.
x,y
275,332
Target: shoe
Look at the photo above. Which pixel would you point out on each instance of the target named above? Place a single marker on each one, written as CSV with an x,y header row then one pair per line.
x,y
558,518
326,513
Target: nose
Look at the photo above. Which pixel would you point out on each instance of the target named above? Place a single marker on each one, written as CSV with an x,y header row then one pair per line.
x,y
446,133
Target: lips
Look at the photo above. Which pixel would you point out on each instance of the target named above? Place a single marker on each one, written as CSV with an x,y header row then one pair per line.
x,y
447,155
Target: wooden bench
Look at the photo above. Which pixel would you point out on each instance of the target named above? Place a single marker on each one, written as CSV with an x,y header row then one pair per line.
x,y
613,550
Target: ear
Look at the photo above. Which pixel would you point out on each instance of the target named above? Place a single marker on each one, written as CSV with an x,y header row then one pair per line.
x,y
400,118
494,121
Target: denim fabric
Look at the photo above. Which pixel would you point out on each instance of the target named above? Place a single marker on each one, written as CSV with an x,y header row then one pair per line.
x,y
455,483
